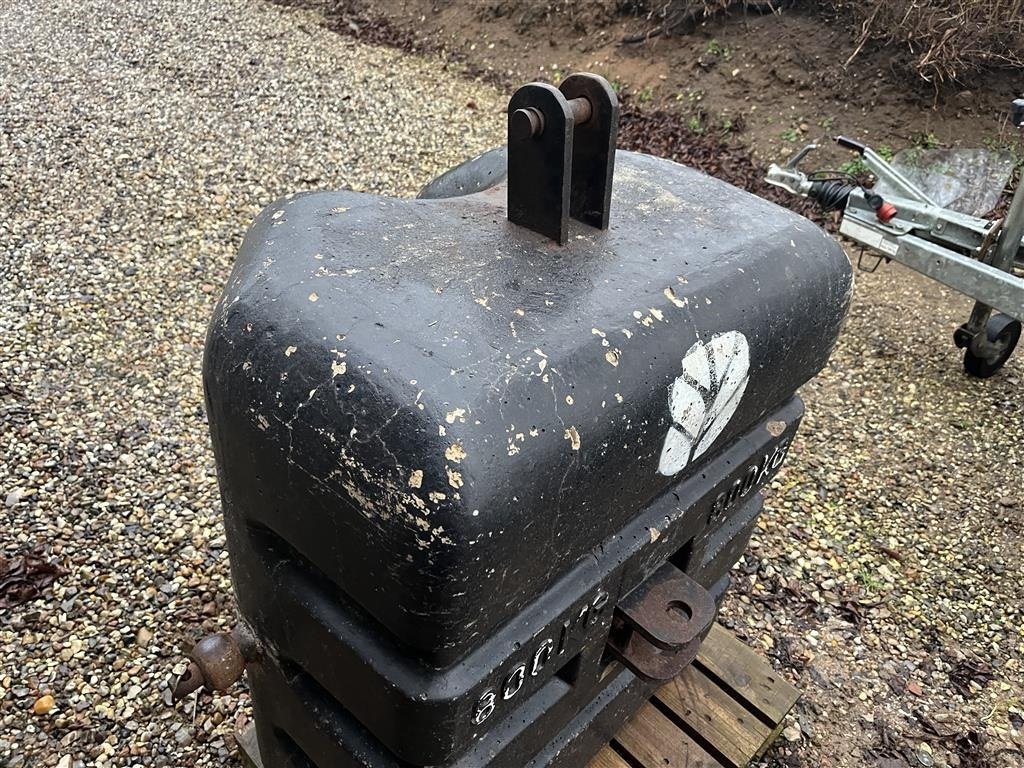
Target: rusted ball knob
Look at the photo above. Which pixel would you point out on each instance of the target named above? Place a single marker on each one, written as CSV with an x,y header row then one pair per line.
x,y
217,662
220,660
525,124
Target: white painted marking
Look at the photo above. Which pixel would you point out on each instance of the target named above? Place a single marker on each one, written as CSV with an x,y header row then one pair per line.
x,y
687,406
697,367
704,398
675,453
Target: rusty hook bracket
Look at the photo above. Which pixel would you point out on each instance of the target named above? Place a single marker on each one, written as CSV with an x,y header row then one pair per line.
x,y
561,154
657,629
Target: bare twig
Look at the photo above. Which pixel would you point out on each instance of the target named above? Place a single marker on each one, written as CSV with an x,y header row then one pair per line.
x,y
865,34
946,39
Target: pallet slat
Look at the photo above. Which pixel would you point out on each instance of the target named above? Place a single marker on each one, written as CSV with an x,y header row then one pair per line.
x,y
730,699
652,740
746,673
734,733
607,758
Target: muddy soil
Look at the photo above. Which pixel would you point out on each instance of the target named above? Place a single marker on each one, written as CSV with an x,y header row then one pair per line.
x,y
770,82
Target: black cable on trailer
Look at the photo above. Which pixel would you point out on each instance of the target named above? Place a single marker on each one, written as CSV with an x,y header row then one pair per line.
x,y
831,189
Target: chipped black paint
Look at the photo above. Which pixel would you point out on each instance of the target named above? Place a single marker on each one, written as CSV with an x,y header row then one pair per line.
x,y
438,436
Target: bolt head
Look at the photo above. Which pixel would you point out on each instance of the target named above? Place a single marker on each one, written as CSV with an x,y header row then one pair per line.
x,y
525,124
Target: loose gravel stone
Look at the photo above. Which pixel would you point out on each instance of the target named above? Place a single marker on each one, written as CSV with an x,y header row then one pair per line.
x,y
885,578
137,142
43,704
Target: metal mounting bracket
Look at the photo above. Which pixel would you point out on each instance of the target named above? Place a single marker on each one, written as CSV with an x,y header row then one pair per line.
x,y
657,629
561,154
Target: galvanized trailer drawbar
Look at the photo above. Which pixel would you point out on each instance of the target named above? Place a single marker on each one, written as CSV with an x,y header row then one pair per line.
x,y
488,456
898,221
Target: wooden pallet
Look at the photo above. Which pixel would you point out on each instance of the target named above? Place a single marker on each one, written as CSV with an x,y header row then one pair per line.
x,y
723,711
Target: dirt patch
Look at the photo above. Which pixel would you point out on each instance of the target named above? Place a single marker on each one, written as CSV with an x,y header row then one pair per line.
x,y
768,81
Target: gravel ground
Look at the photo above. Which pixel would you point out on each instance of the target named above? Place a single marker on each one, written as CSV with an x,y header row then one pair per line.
x,y
886,578
136,143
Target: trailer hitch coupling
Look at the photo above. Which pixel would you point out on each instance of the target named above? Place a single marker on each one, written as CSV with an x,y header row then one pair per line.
x,y
659,626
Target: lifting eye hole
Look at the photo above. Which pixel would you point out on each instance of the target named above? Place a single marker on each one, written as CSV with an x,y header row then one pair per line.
x,y
677,609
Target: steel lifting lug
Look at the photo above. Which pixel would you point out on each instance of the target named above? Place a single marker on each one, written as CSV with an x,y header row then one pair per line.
x,y
659,626
561,154
218,661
